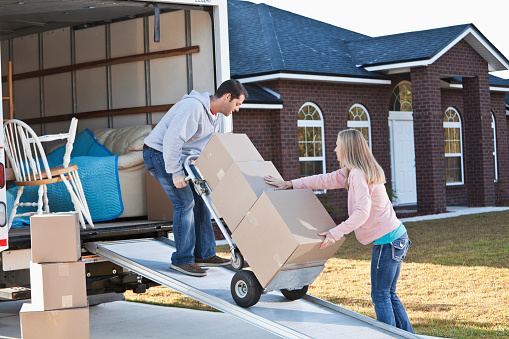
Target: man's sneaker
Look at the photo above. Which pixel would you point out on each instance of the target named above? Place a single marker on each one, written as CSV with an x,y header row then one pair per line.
x,y
189,269
214,261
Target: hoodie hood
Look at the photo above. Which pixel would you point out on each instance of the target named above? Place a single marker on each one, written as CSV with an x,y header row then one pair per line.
x,y
203,98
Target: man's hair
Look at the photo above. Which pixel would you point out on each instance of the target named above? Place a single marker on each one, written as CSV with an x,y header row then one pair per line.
x,y
232,86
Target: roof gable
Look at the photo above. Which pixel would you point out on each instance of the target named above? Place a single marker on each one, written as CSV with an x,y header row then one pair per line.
x,y
421,48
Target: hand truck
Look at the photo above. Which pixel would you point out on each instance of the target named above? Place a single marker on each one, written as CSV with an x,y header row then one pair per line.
x,y
245,288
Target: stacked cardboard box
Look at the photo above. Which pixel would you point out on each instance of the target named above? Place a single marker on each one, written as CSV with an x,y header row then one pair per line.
x,y
59,307
276,230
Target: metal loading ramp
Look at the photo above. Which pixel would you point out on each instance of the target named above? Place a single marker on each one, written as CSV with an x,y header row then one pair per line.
x,y
309,317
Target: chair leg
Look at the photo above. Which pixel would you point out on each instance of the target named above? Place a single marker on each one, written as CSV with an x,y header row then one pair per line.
x,y
45,199
15,207
78,187
80,205
39,201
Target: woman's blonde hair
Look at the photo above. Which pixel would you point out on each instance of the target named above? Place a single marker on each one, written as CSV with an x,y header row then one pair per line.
x,y
355,153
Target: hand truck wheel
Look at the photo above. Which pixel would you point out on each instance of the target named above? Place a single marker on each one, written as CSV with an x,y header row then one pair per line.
x,y
245,288
237,259
295,294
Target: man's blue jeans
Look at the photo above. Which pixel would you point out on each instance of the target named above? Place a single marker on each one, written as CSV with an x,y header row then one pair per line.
x,y
192,227
385,267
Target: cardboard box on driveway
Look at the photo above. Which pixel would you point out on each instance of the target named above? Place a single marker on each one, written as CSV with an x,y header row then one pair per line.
x,y
57,324
280,232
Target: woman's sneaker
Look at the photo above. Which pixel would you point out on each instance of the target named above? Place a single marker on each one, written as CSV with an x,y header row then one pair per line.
x,y
189,269
215,261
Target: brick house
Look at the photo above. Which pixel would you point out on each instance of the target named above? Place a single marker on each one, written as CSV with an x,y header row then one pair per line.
x,y
434,117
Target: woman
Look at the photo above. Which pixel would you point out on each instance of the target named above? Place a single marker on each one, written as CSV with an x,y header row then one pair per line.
x,y
371,217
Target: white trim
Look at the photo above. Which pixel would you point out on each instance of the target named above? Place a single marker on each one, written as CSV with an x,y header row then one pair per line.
x,y
499,89
309,77
367,123
495,155
277,95
314,123
444,50
401,115
492,88
456,155
262,106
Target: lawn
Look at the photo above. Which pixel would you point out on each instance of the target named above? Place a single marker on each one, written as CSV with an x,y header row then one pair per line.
x,y
454,281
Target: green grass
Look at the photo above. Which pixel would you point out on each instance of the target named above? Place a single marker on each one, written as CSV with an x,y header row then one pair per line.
x,y
454,281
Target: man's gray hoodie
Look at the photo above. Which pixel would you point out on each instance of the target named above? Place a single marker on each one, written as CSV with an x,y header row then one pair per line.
x,y
184,130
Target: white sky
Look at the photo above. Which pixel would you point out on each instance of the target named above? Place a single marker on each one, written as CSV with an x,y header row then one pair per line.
x,y
383,17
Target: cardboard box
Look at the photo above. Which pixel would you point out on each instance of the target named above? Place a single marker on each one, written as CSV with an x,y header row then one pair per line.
x,y
241,186
55,238
159,206
58,286
58,324
221,151
280,232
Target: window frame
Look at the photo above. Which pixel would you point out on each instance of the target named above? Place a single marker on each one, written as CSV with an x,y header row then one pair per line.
x,y
353,124
455,155
313,123
495,155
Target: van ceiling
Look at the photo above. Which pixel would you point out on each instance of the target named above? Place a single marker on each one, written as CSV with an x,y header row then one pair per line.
x,y
26,17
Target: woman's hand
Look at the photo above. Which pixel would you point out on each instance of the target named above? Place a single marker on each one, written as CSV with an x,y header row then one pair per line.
x,y
280,184
329,240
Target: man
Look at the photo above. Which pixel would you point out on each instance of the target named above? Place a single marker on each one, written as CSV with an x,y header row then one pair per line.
x,y
183,131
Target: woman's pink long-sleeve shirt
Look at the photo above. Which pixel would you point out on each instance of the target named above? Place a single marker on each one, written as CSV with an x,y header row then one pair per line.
x,y
370,211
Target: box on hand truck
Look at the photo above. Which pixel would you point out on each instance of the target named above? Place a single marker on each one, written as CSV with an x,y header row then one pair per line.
x,y
278,229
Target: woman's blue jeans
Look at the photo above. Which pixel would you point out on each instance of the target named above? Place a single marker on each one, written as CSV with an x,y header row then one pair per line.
x,y
192,227
385,267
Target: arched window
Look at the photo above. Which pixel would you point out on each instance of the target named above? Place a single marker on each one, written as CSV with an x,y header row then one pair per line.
x,y
401,99
453,147
494,138
311,140
358,119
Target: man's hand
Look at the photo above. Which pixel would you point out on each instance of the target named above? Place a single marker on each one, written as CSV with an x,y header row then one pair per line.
x,y
280,184
329,240
179,181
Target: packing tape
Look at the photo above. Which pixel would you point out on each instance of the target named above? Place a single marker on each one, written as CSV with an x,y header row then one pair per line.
x,y
252,219
67,301
254,164
220,174
63,270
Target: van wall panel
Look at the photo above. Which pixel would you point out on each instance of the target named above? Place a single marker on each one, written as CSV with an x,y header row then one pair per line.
x,y
25,54
58,94
129,120
128,85
56,48
92,123
91,90
5,56
90,44
203,63
126,38
168,80
27,99
173,31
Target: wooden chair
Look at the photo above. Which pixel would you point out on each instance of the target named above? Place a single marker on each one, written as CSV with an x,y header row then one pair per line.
x,y
30,166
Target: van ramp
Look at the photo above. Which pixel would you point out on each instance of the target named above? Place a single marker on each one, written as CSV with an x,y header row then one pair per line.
x,y
309,317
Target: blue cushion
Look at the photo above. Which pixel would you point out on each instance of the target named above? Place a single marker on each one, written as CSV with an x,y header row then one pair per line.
x,y
85,144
